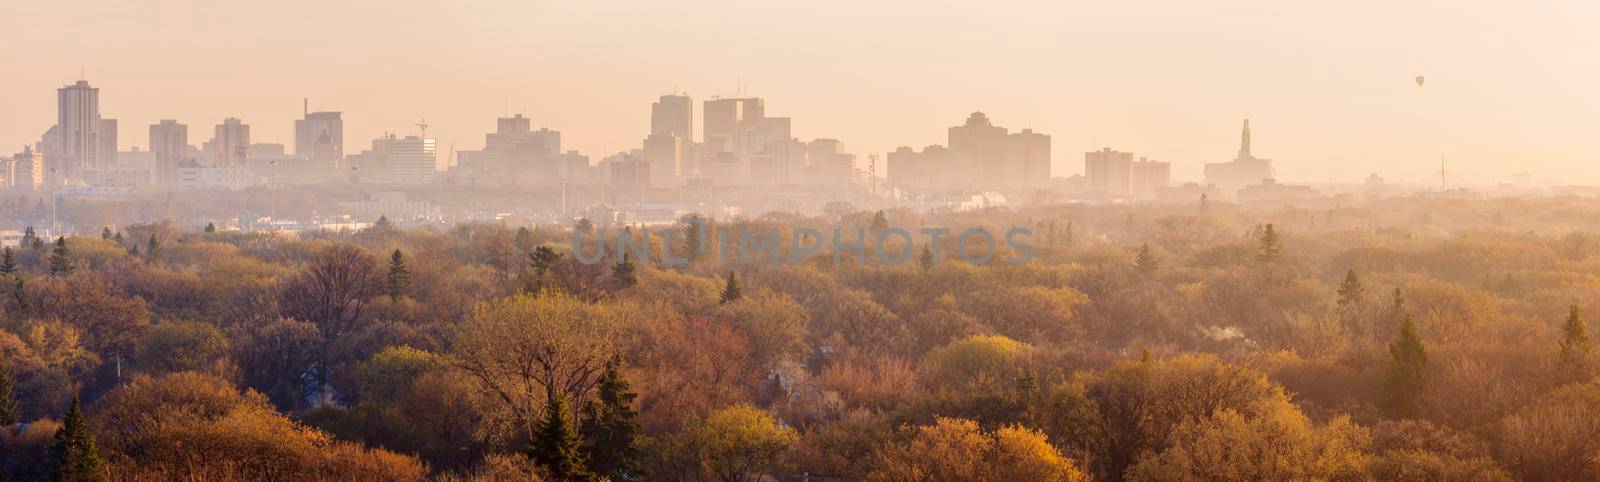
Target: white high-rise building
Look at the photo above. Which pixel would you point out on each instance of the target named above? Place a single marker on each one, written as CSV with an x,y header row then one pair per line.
x,y
169,141
230,144
408,160
78,143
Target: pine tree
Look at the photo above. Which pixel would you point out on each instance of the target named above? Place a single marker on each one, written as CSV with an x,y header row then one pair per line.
x,y
8,401
152,250
1147,262
543,260
8,263
1350,292
1271,246
925,260
60,258
105,232
524,239
1576,349
611,426
625,273
383,222
19,299
1066,236
693,240
731,292
117,237
1407,374
555,447
75,455
29,238
399,276
211,227
1205,203
880,223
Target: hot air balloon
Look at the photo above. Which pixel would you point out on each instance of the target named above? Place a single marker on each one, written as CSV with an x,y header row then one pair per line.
x,y
1419,81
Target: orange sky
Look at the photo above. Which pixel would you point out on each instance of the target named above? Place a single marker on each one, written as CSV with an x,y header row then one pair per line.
x,y
1328,85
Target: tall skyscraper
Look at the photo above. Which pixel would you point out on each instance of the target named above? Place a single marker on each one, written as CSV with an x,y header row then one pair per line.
x,y
411,160
663,151
724,118
230,144
673,114
319,137
27,169
169,141
981,156
77,142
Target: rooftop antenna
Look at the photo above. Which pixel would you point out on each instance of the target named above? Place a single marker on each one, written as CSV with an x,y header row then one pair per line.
x,y
424,126
306,105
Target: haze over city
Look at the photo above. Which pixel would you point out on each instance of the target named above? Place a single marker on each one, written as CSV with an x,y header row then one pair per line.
x,y
1509,87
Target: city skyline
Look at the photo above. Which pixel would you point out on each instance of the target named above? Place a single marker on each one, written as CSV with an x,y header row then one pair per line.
x,y
1502,96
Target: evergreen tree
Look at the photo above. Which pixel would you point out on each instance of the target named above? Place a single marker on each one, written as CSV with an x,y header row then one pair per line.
x,y
399,276
1147,262
1407,374
880,223
19,298
211,227
555,446
8,263
383,222
925,260
543,260
693,240
75,455
611,426
105,232
60,258
1576,349
1271,246
152,250
731,292
1205,203
8,401
524,239
29,238
38,244
625,273
117,237
1350,292
1066,236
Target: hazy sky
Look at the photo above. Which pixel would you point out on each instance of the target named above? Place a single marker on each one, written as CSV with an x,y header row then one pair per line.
x,y
1512,86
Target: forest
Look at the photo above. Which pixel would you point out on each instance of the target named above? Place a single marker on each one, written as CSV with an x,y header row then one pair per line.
x,y
1415,338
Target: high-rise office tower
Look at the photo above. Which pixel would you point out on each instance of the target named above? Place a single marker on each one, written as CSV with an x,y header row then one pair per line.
x,y
77,141
724,118
169,141
673,114
663,151
411,160
319,137
230,144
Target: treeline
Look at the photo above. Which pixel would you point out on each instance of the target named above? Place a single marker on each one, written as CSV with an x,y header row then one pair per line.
x,y
1141,343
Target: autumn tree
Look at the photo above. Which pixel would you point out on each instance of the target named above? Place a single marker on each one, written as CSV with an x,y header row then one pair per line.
x,y
555,445
527,349
331,292
1277,443
8,397
1406,376
75,454
105,232
611,426
152,250
60,258
925,259
880,223
399,281
958,450
732,444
